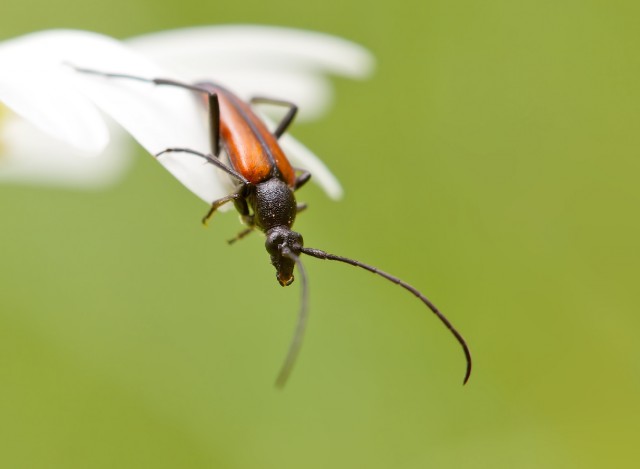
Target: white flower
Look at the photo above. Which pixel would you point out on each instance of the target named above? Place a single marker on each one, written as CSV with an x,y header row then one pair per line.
x,y
276,62
265,61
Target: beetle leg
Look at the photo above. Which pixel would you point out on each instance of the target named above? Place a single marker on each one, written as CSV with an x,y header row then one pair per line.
x,y
218,203
212,99
247,219
214,161
286,120
240,235
301,207
213,105
301,179
214,123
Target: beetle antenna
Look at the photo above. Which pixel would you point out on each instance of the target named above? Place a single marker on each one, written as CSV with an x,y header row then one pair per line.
x,y
326,256
303,315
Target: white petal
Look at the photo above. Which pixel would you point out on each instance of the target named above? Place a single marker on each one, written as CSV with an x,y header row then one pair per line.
x,y
41,95
157,117
271,46
28,154
221,53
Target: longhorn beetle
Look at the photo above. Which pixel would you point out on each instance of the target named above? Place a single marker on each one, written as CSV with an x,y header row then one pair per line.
x,y
264,194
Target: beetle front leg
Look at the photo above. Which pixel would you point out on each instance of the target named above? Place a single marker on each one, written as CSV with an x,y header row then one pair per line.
x,y
246,217
220,202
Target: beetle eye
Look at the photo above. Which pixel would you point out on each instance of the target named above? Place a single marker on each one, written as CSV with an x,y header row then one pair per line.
x,y
274,239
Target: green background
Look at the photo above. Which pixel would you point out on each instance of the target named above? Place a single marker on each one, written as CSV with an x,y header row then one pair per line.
x,y
492,161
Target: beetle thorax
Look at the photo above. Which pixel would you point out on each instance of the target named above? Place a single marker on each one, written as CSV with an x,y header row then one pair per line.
x,y
273,204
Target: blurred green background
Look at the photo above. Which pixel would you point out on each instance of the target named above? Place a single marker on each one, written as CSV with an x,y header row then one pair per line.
x,y
492,161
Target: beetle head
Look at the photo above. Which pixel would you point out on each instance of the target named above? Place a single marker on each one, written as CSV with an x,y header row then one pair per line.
x,y
281,241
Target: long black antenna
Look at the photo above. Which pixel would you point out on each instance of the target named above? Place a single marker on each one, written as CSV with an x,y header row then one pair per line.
x,y
326,256
296,341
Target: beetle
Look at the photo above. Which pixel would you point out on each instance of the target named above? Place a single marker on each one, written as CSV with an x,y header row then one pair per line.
x,y
264,192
